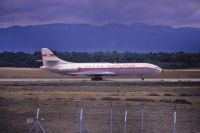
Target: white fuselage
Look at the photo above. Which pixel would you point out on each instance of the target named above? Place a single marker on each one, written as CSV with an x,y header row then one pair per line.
x,y
138,69
96,70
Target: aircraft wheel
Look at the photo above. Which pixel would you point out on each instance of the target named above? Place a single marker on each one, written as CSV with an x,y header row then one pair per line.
x,y
142,78
100,78
93,78
96,78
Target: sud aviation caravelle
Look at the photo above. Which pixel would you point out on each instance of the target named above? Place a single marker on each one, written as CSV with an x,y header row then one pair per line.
x,y
96,70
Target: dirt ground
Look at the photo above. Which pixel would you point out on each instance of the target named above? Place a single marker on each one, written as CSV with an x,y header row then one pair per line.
x,y
59,103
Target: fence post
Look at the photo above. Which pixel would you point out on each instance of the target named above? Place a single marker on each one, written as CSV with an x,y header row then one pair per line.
x,y
37,116
81,118
77,115
125,121
111,113
37,124
174,121
142,118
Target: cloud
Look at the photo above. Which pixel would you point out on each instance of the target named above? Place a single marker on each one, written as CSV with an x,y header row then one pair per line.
x,y
170,12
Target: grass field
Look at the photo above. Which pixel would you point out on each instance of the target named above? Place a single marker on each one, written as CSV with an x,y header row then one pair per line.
x,y
38,73
27,73
58,104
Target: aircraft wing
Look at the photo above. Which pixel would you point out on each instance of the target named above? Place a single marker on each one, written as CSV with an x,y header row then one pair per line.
x,y
94,73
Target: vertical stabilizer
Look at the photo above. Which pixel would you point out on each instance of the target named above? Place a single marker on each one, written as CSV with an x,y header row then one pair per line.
x,y
47,55
49,59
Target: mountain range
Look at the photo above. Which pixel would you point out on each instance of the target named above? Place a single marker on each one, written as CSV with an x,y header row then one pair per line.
x,y
137,37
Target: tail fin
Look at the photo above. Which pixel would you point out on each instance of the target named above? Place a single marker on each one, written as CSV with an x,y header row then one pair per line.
x,y
49,59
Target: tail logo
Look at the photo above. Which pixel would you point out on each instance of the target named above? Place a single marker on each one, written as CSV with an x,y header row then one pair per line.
x,y
48,55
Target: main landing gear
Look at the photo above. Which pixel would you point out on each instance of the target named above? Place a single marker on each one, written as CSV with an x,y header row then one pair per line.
x,y
96,78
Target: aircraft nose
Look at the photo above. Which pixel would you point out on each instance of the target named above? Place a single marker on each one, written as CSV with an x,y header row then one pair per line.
x,y
160,70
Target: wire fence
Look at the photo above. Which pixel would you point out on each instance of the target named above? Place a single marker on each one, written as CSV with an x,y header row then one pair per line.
x,y
107,117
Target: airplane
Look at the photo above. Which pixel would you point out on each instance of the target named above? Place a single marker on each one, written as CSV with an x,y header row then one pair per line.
x,y
96,70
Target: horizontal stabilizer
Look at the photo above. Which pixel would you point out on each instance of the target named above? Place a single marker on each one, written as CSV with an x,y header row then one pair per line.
x,y
39,60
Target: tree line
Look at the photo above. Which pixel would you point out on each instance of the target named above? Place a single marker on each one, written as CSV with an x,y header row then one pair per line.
x,y
162,59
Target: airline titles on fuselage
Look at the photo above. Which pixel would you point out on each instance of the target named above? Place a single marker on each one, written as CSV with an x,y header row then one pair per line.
x,y
109,66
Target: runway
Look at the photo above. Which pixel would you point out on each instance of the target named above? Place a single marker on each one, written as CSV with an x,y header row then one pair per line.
x,y
104,80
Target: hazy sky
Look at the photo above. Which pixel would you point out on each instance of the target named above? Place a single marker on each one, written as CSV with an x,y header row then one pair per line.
x,y
163,12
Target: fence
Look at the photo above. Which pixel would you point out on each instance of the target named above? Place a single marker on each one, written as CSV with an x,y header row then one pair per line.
x,y
115,118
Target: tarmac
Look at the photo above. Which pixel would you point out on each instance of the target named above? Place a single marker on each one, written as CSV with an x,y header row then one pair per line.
x,y
105,79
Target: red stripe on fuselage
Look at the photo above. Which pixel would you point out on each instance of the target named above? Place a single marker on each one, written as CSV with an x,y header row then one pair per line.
x,y
118,68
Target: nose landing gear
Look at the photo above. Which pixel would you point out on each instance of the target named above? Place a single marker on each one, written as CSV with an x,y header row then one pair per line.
x,y
142,77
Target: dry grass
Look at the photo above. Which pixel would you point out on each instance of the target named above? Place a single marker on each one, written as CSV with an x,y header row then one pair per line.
x,y
58,105
88,98
167,94
182,101
110,98
154,94
140,99
166,101
27,73
185,94
176,73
